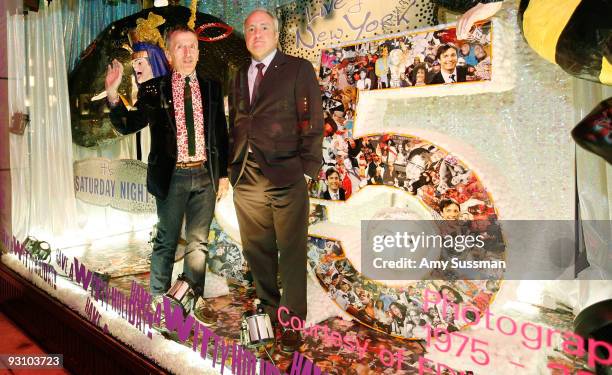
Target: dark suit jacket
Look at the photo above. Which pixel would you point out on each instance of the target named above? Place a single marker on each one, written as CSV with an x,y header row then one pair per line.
x,y
461,75
327,195
283,126
155,108
373,175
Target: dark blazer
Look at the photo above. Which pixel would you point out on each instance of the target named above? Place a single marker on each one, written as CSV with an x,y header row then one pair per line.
x,y
372,173
327,195
461,76
284,124
155,108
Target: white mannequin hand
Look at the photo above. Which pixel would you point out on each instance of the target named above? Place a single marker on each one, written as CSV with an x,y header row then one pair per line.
x,y
114,74
223,188
476,13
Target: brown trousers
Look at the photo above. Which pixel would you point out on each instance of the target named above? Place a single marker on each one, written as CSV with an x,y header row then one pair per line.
x,y
274,231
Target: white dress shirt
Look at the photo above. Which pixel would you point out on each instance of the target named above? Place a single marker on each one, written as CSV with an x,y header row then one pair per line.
x,y
446,76
334,195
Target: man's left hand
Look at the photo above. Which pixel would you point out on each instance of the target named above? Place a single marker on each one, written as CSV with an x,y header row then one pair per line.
x,y
223,187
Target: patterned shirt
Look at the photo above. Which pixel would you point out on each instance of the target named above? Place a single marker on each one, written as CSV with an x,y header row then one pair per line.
x,y
178,94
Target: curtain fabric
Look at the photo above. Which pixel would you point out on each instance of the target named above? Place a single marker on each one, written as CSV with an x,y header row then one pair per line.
x,y
41,159
85,19
19,159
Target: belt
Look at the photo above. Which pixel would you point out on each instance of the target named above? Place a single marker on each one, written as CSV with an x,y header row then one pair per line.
x,y
189,164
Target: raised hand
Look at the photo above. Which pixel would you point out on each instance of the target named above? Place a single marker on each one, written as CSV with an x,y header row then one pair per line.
x,y
474,14
114,74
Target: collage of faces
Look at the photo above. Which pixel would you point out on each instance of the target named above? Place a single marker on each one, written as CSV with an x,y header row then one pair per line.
x,y
450,189
403,162
399,311
419,59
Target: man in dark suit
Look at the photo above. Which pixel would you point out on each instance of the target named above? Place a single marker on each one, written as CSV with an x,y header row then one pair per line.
x,y
276,133
449,71
187,164
334,192
376,170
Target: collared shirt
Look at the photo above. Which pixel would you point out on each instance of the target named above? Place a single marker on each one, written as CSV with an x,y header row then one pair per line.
x,y
447,78
178,94
334,195
252,72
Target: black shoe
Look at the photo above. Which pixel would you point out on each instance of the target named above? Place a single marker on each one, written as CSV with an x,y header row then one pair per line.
x,y
290,340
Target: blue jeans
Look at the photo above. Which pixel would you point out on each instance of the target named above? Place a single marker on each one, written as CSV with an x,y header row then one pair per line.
x,y
191,195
